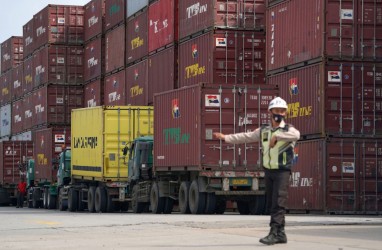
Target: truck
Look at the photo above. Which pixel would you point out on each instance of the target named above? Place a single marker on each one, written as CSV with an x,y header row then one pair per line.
x,y
184,164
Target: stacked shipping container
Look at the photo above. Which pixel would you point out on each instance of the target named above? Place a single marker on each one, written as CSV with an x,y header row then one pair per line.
x,y
328,69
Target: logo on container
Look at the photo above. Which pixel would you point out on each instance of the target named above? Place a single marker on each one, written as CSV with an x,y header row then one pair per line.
x,y
194,51
221,42
60,138
175,108
155,24
16,84
39,109
136,25
28,114
6,57
136,74
114,9
92,21
136,91
196,9
40,30
17,118
114,97
92,62
293,88
347,14
212,100
334,76
28,40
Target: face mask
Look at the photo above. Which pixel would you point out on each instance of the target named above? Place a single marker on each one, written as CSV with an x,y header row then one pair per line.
x,y
278,118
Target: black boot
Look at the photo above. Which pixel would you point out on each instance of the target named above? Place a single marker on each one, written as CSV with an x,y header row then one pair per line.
x,y
281,236
275,236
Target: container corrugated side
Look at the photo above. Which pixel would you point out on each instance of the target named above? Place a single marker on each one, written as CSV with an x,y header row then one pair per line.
x,y
17,82
93,59
29,44
75,65
114,89
94,19
6,84
17,114
93,93
137,37
11,53
137,84
100,133
115,49
114,13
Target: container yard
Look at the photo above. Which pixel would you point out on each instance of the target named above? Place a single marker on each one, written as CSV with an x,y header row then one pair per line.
x,y
141,86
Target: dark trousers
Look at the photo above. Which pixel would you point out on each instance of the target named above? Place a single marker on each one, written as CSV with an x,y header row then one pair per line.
x,y
276,188
20,199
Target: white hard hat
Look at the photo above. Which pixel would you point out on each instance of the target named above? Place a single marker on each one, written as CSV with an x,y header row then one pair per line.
x,y
278,102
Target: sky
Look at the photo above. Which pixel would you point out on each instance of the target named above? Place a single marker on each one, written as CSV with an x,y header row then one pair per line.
x,y
16,13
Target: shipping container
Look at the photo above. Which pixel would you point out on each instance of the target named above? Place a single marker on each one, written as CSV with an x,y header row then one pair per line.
x,y
114,89
94,19
106,130
53,104
307,179
17,116
188,117
137,37
48,144
6,120
17,81
343,30
114,13
335,98
6,84
28,36
223,56
115,49
11,53
28,113
199,15
59,24
354,176
163,24
25,136
93,93
133,6
94,59
162,76
75,65
28,72
137,84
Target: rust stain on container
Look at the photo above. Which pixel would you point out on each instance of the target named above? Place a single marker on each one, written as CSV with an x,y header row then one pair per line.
x,y
114,89
94,15
17,81
137,84
94,59
11,53
137,37
223,56
115,49
93,93
114,13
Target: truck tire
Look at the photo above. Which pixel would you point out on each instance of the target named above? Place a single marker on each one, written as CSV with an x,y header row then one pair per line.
x,y
168,205
220,206
136,206
51,201
210,203
197,200
36,200
100,201
45,198
243,207
72,200
62,203
81,204
156,202
110,206
184,190
257,206
91,199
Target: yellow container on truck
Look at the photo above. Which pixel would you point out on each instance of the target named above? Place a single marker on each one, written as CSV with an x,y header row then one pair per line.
x,y
99,135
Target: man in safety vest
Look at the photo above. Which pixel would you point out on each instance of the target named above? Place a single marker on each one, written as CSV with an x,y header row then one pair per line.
x,y
278,140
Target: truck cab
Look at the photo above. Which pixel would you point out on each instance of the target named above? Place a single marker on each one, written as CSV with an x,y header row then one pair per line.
x,y
140,163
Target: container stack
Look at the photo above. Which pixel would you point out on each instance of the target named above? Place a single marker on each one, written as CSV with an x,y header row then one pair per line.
x,y
327,63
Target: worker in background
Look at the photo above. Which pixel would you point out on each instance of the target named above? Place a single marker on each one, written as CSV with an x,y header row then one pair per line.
x,y
277,140
21,191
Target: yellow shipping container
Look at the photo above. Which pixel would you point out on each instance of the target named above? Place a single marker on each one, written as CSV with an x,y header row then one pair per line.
x,y
99,135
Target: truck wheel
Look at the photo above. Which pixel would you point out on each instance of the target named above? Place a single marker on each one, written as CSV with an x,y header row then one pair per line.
x,y
36,201
197,200
156,202
81,204
45,198
257,206
62,203
184,190
100,201
72,200
110,206
210,203
168,205
220,206
135,204
51,201
91,198
243,207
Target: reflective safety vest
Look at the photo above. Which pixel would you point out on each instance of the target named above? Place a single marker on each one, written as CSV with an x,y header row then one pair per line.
x,y
281,155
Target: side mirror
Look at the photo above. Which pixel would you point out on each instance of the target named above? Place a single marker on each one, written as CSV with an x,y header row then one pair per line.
x,y
125,150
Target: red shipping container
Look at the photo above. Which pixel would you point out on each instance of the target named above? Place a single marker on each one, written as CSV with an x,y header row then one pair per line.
x,y
28,112
59,24
163,24
114,89
12,154
328,28
337,98
198,15
93,59
94,15
115,49
11,53
162,72
48,144
17,115
186,118
137,37
75,65
223,56
115,13
53,104
6,84
93,93
307,180
137,84
28,83
28,34
17,82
